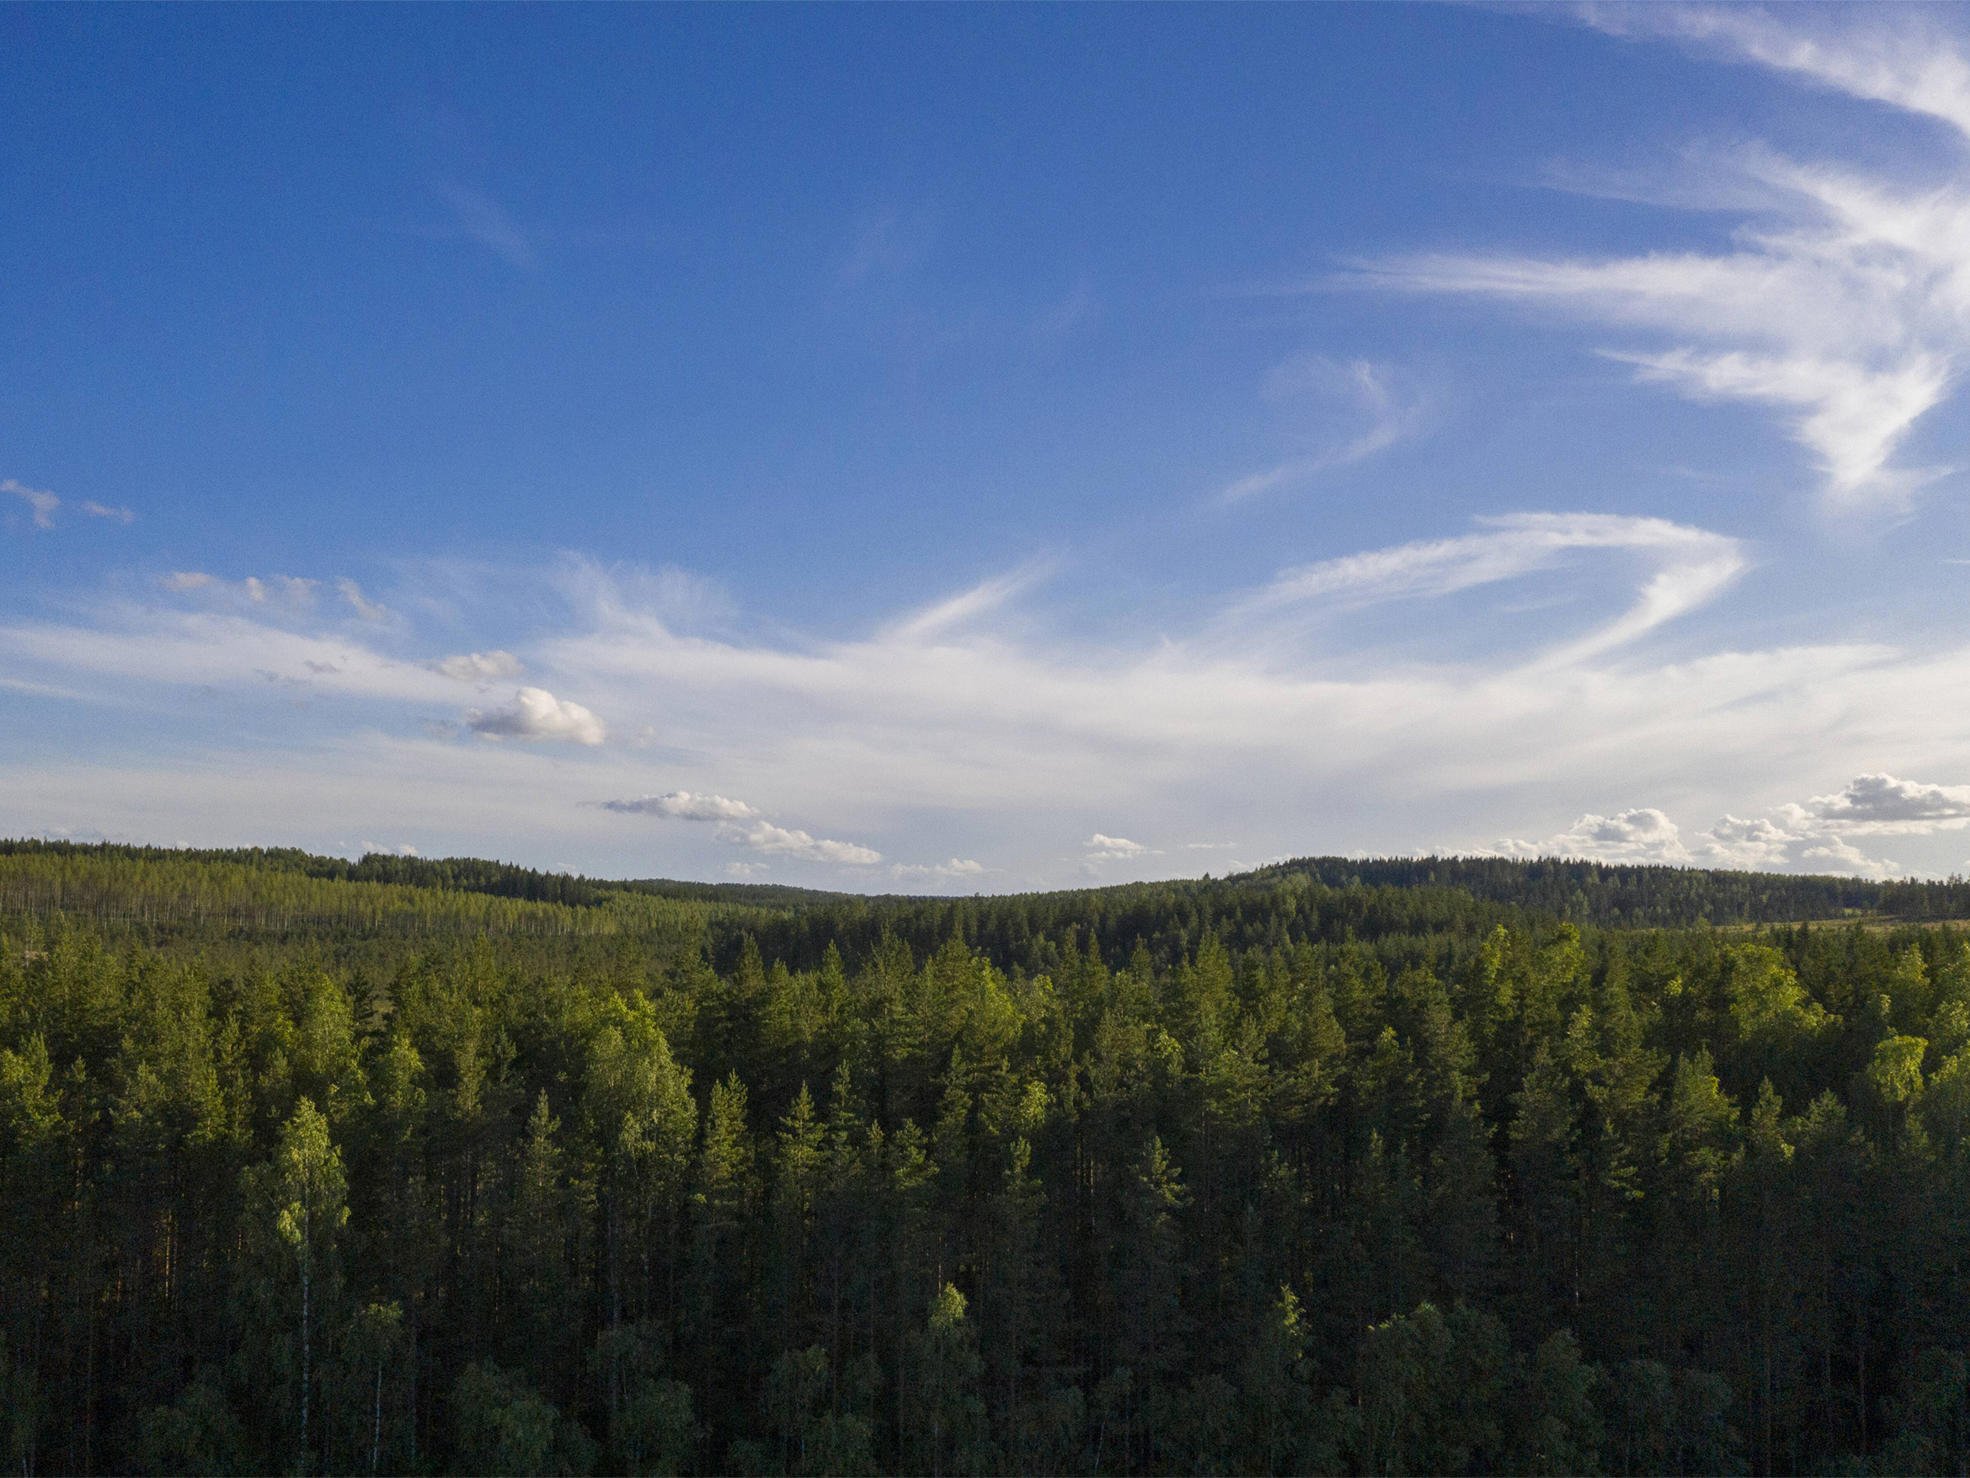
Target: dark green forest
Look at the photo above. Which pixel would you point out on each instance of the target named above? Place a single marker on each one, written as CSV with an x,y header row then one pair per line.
x,y
1387,1166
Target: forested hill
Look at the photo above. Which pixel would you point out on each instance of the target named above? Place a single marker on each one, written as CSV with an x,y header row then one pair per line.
x,y
43,873
460,874
309,1165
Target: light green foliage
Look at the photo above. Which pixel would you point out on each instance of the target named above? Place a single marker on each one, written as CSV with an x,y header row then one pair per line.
x,y
1894,1073
1765,997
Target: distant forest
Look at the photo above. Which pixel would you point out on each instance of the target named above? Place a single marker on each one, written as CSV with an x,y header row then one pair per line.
x,y
1378,1166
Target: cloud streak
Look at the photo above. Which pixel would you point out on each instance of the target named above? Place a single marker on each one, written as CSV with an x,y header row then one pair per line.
x,y
1388,411
1691,567
41,504
682,805
483,220
1842,305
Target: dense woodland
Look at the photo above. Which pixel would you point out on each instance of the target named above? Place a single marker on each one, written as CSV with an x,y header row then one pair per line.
x,y
1424,1166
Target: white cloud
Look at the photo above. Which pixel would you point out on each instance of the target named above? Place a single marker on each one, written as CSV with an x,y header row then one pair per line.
x,y
479,667
1843,301
283,597
402,849
742,825
41,505
290,591
1800,838
1837,855
104,510
1912,65
781,841
1852,416
361,604
1754,845
942,617
1220,730
682,805
1877,803
1385,408
1102,847
1643,835
536,714
1692,566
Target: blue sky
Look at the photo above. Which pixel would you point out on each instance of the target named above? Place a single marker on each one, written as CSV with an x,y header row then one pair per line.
x,y
984,448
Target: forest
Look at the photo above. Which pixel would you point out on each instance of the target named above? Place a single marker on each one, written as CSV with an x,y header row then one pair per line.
x,y
1377,1166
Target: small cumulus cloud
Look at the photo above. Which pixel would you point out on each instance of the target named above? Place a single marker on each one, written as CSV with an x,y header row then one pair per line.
x,y
1104,848
1837,855
1881,803
742,825
401,849
683,805
104,510
479,667
1643,835
1753,844
183,581
783,841
536,714
1809,837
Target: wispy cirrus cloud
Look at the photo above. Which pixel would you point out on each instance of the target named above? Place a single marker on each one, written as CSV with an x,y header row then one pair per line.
x,y
1910,63
1690,567
1843,301
941,618
480,218
1384,407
